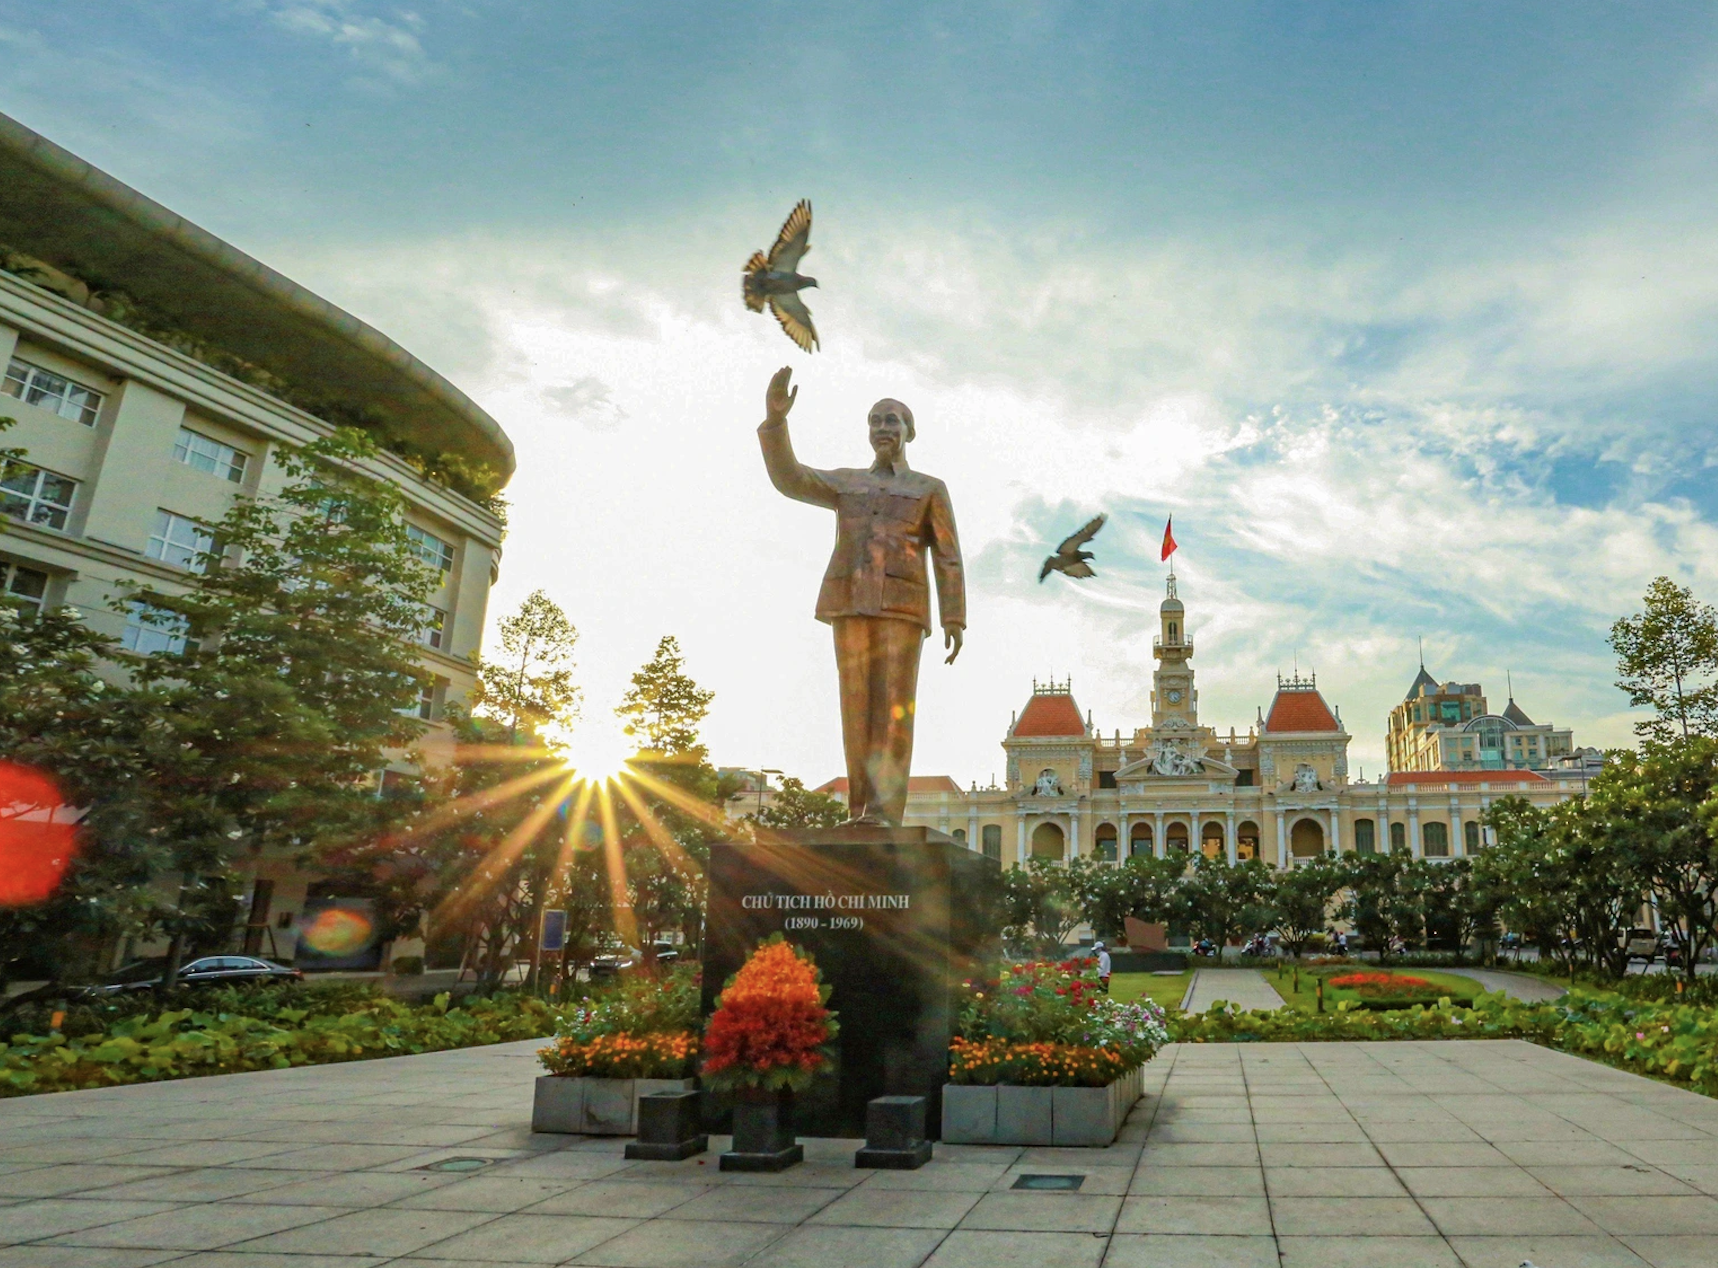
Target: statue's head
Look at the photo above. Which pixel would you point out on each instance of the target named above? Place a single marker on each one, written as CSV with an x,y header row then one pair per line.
x,y
891,427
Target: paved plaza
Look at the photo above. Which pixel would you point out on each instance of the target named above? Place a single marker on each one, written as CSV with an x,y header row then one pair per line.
x,y
1324,1155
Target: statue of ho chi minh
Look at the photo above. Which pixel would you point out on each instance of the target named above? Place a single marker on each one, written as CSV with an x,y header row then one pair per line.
x,y
876,591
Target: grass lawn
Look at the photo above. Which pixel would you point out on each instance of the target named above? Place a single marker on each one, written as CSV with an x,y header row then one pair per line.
x,y
1306,999
1167,990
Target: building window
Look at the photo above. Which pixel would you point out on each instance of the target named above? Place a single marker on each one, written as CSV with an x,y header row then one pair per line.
x,y
430,548
206,454
1104,843
150,630
26,585
1470,836
433,631
1139,839
180,541
1365,838
36,496
1435,840
423,706
1106,779
992,834
1398,836
1243,779
36,386
960,835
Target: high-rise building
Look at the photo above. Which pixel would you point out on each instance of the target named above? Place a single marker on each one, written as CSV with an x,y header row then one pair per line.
x,y
1448,726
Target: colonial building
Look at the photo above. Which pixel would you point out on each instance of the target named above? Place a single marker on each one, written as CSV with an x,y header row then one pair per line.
x,y
1281,791
1449,727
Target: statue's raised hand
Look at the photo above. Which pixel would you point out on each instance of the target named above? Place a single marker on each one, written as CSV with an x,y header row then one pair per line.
x,y
779,399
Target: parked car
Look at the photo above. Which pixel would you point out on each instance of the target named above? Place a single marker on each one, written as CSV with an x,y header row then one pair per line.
x,y
208,970
613,957
1641,944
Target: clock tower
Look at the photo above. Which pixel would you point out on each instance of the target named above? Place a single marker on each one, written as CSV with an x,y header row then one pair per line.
x,y
1173,699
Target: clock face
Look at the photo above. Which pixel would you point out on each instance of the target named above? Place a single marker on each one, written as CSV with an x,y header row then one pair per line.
x,y
1175,697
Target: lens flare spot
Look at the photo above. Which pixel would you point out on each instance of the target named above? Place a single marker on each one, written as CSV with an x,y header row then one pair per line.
x,y
38,836
336,932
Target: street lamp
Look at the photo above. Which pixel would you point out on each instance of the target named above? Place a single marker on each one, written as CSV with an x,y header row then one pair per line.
x,y
763,782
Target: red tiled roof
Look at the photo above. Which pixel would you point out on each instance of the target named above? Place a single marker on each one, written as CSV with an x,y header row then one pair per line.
x,y
1050,714
1300,711
915,784
1466,777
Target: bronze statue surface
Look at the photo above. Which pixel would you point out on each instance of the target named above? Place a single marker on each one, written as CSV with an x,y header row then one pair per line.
x,y
876,590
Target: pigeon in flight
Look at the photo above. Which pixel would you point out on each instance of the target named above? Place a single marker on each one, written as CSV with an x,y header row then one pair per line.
x,y
775,282
1069,559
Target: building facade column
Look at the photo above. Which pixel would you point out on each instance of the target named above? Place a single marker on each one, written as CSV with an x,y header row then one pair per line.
x,y
1158,844
1458,838
1124,842
1229,837
1195,846
1073,832
972,841
1414,827
1020,858
1282,841
1335,831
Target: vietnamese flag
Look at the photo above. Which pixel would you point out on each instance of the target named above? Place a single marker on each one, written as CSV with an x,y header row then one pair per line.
x,y
1169,537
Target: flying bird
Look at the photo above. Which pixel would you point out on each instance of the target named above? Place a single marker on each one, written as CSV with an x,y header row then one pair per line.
x,y
1069,559
775,280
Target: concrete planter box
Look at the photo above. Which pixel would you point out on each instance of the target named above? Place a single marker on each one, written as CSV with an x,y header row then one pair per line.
x,y
1003,1114
594,1107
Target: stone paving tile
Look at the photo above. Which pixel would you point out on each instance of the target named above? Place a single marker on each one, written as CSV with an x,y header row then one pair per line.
x,y
209,1226
623,1199
527,1238
1556,1252
1230,1154
1475,1182
1603,1181
953,1177
755,1205
815,1246
1442,1154
1188,1214
58,1179
1676,1251
201,1184
1370,1252
1370,1217
1569,1153
40,1256
682,1244
1190,1250
1110,1181
51,1216
1333,1182
1044,1212
965,1248
1344,1154
1215,1181
898,1208
352,1188
1645,1215
487,1193
1507,1216
1349,1133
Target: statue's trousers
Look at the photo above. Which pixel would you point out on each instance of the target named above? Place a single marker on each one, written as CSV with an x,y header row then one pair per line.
x,y
878,660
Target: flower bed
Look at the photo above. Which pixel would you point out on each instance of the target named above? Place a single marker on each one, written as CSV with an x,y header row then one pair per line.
x,y
645,1030
1383,990
1045,1056
770,1030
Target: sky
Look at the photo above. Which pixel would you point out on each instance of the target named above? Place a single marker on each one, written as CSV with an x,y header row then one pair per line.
x,y
1405,312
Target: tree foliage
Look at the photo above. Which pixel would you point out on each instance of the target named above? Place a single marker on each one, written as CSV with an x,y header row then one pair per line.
x,y
531,683
1667,660
796,807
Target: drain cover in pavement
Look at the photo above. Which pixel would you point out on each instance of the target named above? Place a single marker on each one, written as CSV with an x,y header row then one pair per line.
x,y
458,1164
1064,1183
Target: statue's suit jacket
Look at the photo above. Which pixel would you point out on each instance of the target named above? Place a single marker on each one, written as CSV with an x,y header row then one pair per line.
x,y
886,519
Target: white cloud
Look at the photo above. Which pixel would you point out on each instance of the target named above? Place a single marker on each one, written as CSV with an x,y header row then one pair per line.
x,y
382,40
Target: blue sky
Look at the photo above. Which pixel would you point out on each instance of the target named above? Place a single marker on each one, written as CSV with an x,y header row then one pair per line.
x,y
1406,312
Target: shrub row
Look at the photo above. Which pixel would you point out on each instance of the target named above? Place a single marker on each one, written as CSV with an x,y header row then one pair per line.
x,y
179,1043
1675,1042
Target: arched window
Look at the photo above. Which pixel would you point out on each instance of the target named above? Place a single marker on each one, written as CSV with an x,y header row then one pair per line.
x,y
1306,839
1470,836
1139,839
1398,836
1048,842
1211,840
1247,840
1172,633
1365,838
1104,842
1175,837
992,837
960,835
1435,840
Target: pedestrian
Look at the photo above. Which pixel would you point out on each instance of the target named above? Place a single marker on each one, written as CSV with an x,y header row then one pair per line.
x,y
1103,965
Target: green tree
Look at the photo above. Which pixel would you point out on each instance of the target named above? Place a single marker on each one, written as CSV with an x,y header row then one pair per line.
x,y
1040,906
664,707
1667,657
1142,887
531,684
1299,900
1383,901
796,807
298,679
1221,900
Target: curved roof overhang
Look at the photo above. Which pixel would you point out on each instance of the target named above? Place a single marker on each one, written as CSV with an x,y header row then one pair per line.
x,y
75,217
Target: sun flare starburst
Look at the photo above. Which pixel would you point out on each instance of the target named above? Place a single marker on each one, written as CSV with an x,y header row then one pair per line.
x,y
595,751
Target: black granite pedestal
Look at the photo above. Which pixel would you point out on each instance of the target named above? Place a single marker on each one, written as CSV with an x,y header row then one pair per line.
x,y
895,918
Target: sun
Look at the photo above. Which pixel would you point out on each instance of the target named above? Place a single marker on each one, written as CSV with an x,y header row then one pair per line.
x,y
594,751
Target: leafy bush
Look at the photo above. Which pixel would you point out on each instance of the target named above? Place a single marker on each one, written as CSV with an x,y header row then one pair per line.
x,y
1051,1024
181,1042
83,1017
